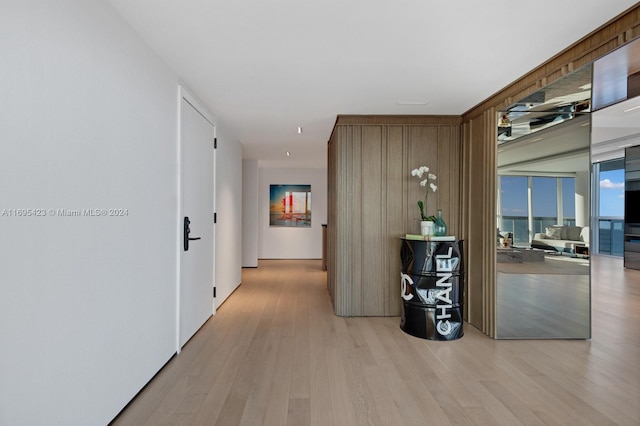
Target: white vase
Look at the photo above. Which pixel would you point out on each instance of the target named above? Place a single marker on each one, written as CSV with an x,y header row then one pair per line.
x,y
426,227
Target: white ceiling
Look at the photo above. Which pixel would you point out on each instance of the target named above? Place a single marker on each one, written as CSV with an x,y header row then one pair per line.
x,y
266,67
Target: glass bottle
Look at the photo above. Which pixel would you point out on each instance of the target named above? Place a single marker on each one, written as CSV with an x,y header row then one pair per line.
x,y
439,227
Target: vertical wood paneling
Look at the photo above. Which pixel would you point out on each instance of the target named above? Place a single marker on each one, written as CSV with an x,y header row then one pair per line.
x,y
373,188
465,183
477,221
377,204
423,151
450,169
353,268
343,190
331,190
335,265
396,214
479,218
490,211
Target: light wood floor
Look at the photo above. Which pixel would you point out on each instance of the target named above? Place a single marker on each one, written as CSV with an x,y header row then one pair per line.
x,y
274,354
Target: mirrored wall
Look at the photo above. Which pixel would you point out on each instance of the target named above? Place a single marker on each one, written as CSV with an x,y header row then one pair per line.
x,y
615,128
542,238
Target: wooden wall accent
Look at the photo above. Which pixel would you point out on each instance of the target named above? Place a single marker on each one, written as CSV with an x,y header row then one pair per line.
x,y
480,150
479,218
373,202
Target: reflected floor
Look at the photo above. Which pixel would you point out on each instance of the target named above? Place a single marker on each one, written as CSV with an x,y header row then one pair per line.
x,y
531,306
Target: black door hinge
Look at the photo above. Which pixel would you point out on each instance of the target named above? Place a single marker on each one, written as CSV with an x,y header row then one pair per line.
x,y
215,143
214,292
215,217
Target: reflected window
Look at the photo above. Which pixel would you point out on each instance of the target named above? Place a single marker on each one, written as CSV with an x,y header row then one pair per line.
x,y
514,208
611,187
609,216
544,196
545,193
568,188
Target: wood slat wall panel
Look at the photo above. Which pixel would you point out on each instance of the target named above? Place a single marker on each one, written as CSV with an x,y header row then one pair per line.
x,y
333,218
343,192
373,221
449,188
490,210
423,151
465,202
476,217
381,204
396,216
355,228
331,189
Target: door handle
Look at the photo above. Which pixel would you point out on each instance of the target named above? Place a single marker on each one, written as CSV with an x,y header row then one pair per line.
x,y
186,230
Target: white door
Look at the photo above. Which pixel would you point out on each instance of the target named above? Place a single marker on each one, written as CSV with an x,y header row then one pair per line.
x,y
197,222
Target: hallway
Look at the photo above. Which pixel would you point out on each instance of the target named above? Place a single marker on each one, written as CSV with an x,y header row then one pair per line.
x,y
274,354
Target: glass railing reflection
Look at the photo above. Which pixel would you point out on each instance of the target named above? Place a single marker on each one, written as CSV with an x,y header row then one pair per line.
x,y
610,231
611,236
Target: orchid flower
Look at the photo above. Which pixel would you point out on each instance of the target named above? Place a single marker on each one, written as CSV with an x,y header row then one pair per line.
x,y
425,183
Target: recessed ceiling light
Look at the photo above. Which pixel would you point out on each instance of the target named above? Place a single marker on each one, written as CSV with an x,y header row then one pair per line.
x,y
299,129
288,154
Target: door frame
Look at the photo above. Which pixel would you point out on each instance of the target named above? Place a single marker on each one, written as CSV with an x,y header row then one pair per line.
x,y
185,94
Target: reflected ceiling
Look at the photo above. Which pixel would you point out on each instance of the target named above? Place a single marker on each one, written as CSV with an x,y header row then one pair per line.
x,y
616,126
554,151
530,138
555,103
534,144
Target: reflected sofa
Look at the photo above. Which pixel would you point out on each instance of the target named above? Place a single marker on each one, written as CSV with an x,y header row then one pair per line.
x,y
561,238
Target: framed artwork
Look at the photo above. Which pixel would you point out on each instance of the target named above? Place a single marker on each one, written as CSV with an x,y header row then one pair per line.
x,y
290,205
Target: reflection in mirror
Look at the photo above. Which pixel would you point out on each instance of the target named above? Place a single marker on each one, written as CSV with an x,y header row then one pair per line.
x,y
616,76
615,131
552,105
542,269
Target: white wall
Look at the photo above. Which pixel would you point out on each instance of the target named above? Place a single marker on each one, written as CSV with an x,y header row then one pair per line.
x,y
229,208
89,121
250,213
292,243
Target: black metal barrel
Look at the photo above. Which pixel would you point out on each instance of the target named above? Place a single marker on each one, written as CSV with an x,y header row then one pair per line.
x,y
432,286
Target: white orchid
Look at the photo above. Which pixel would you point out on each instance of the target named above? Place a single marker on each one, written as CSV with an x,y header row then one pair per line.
x,y
426,183
420,171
